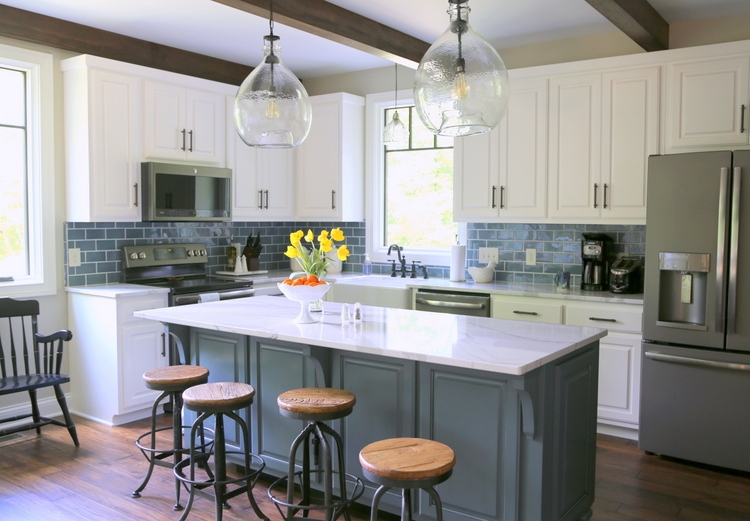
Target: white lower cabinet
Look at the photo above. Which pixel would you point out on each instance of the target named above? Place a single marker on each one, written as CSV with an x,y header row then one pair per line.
x,y
619,351
110,351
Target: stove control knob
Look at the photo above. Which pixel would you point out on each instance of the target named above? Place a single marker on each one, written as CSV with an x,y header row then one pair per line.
x,y
142,255
190,253
134,255
203,253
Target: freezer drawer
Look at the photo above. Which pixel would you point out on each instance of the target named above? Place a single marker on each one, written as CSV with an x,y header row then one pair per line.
x,y
695,405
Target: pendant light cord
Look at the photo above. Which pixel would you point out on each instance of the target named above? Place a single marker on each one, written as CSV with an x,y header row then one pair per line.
x,y
270,21
395,66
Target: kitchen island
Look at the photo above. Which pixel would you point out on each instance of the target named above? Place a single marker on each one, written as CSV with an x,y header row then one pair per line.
x,y
515,400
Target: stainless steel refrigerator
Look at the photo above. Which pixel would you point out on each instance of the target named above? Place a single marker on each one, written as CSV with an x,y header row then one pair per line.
x,y
695,382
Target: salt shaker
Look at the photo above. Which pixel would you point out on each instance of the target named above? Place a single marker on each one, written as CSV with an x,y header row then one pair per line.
x,y
345,314
357,312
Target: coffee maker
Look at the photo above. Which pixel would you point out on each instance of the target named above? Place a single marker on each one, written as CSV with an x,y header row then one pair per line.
x,y
595,253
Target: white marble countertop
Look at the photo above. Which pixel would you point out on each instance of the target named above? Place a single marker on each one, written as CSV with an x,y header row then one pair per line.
x,y
500,288
116,290
501,346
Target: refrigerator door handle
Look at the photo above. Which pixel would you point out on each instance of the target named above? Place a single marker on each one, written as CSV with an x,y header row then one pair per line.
x,y
700,362
721,248
733,252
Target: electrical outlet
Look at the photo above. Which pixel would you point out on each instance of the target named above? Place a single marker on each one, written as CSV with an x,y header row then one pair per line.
x,y
487,255
531,256
74,257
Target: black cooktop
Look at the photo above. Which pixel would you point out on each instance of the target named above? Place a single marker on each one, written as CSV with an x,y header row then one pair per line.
x,y
206,284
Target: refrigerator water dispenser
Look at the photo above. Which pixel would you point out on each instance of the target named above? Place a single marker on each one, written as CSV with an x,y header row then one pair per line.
x,y
683,279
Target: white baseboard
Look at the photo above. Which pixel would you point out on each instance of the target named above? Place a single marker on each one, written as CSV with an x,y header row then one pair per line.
x,y
118,419
629,433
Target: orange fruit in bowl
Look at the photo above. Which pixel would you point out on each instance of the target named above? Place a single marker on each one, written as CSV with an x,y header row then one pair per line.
x,y
312,278
288,282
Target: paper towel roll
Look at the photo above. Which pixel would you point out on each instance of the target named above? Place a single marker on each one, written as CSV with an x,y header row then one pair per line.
x,y
458,262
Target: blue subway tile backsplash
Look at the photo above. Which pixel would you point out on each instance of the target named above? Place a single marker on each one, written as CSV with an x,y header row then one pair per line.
x,y
558,246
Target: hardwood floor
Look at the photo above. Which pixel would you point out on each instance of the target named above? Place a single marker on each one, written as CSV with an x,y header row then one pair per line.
x,y
47,478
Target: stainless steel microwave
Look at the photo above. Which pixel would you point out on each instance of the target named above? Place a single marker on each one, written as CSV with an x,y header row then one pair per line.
x,y
173,192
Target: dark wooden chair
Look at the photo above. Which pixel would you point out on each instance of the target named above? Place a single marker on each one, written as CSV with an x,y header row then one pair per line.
x,y
33,362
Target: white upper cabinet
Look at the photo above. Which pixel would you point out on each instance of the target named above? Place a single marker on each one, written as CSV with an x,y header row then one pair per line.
x,y
707,104
102,145
262,178
330,162
182,123
574,146
603,127
502,174
630,133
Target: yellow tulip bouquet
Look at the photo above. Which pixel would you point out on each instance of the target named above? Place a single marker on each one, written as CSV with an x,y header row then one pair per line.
x,y
314,260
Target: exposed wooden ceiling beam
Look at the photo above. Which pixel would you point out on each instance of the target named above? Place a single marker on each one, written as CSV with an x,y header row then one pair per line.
x,y
61,34
638,20
334,23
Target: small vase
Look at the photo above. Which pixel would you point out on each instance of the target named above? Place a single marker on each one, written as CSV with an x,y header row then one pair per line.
x,y
316,306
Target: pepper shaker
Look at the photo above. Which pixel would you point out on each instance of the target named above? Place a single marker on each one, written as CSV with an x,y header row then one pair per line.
x,y
357,312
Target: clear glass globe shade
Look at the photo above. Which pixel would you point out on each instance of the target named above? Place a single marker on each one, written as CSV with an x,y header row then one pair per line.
x,y
271,108
395,132
454,103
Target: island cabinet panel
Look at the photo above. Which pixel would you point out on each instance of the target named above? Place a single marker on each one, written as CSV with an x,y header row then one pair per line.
x,y
225,357
386,408
277,367
468,411
572,433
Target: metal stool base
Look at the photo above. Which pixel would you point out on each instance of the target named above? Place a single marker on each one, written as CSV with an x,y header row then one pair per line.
x,y
337,508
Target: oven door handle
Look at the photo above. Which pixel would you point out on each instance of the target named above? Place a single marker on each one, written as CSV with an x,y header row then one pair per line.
x,y
226,295
448,304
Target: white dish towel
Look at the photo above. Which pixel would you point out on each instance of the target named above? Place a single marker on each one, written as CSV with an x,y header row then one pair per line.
x,y
208,297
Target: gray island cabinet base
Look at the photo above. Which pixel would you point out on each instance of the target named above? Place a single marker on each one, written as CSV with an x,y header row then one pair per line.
x,y
525,443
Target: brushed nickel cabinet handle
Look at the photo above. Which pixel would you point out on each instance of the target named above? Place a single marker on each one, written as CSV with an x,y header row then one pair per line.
x,y
502,197
333,199
494,191
596,188
534,313
135,189
605,195
597,319
260,199
742,119
163,345
266,194
183,140
191,141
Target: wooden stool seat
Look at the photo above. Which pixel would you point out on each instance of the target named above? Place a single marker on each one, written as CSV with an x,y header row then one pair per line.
x,y
407,463
218,396
316,400
175,377
407,458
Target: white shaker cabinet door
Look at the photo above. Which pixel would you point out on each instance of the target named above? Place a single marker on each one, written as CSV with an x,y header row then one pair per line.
x,y
630,133
575,147
707,104
183,124
522,158
475,181
619,378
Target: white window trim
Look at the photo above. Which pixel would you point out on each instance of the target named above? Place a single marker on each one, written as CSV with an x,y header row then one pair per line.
x,y
41,181
375,106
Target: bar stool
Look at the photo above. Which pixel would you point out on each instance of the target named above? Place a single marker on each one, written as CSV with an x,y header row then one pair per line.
x,y
316,405
219,399
407,463
171,381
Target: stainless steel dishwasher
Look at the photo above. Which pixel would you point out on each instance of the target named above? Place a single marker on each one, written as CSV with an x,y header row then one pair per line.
x,y
454,303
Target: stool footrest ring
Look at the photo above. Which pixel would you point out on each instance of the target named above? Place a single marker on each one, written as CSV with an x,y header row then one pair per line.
x,y
337,507
163,453
251,477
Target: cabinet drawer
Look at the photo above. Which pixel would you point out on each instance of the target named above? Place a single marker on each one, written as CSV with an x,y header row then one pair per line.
x,y
528,311
605,316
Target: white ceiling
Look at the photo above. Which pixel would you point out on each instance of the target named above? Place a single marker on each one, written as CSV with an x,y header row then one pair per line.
x,y
213,29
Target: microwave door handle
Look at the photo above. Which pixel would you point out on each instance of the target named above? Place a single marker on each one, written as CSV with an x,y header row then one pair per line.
x,y
733,252
721,248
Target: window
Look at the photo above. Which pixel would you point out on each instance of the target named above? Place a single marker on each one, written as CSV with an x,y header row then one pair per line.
x,y
27,211
409,188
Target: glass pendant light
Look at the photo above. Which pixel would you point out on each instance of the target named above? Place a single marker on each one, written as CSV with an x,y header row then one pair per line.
x,y
395,132
272,108
461,84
